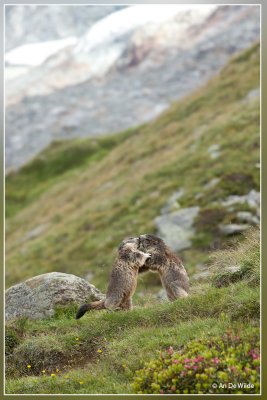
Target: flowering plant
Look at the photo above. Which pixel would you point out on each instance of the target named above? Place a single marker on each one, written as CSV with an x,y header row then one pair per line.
x,y
226,364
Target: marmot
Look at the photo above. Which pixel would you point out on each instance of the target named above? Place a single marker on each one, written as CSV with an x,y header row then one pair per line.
x,y
123,279
163,260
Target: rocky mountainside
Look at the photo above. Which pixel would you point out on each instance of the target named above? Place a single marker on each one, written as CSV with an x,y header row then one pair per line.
x,y
105,82
29,23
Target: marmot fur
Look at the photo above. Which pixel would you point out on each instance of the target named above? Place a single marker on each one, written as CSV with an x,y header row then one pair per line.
x,y
163,260
123,279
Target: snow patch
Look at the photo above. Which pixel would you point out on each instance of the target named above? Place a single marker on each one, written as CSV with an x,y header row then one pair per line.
x,y
36,53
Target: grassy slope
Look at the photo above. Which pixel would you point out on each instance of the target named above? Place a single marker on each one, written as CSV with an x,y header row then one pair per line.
x,y
87,195
104,349
99,196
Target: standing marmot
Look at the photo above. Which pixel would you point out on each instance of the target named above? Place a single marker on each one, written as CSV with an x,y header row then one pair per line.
x,y
172,273
123,279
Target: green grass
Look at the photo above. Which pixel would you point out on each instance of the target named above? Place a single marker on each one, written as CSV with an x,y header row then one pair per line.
x,y
245,258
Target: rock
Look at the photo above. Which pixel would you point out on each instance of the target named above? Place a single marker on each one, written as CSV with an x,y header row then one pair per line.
x,y
38,297
201,275
252,199
211,184
233,268
213,151
254,94
162,295
230,229
247,216
177,228
172,203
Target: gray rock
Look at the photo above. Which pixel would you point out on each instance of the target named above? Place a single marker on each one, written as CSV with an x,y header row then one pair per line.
x,y
246,216
252,199
211,184
252,95
230,229
37,297
172,203
213,151
233,268
162,295
201,275
176,228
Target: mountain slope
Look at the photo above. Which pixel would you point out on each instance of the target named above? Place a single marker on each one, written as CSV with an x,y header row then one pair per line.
x,y
71,206
136,71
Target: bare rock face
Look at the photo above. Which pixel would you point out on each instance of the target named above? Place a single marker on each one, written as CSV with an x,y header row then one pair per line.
x,y
37,297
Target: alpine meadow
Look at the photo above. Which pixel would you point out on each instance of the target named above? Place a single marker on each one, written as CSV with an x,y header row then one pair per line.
x,y
68,209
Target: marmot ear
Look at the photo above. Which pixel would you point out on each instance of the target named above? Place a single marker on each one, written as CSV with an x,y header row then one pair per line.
x,y
120,246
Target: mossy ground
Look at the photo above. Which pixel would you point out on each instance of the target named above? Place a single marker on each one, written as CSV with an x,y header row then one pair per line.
x,y
68,210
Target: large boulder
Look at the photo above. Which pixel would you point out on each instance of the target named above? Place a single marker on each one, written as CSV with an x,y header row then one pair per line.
x,y
39,296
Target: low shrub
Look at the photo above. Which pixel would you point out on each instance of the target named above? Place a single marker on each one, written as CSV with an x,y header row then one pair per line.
x,y
209,365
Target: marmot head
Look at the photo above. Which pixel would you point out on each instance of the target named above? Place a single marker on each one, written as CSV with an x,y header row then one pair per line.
x,y
128,252
151,244
131,243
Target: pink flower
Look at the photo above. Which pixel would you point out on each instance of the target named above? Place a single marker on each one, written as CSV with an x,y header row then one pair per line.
x,y
216,360
170,350
253,354
186,360
175,361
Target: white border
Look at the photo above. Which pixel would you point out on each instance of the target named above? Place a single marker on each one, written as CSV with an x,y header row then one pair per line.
x,y
135,394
